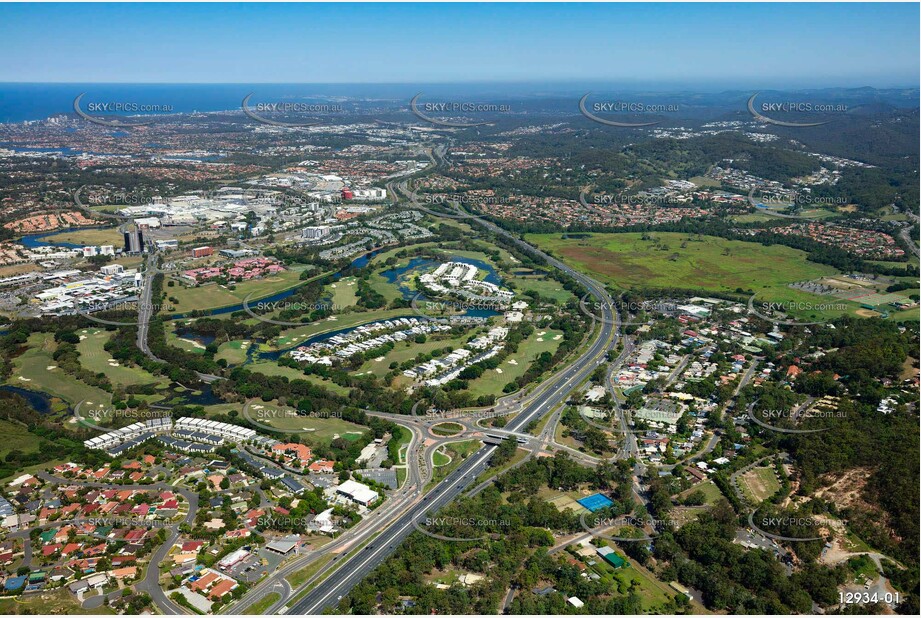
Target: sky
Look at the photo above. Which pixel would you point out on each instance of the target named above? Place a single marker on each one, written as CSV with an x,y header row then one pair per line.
x,y
802,45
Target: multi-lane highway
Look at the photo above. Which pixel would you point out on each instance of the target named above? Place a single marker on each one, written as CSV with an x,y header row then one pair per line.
x,y
356,567
146,311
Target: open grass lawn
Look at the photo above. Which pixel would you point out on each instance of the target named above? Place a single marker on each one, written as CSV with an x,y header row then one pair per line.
x,y
390,291
709,489
752,218
447,429
711,263
298,578
458,452
625,260
705,181
298,334
759,484
546,287
322,429
271,368
213,296
470,255
494,380
654,593
234,352
259,607
107,236
440,459
17,437
94,357
17,269
902,265
35,369
55,602
343,293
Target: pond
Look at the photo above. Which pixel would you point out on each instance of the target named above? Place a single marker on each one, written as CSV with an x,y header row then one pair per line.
x,y
38,400
37,240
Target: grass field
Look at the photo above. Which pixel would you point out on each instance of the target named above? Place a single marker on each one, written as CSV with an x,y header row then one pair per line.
x,y
390,291
494,380
259,607
457,451
271,368
94,358
759,484
447,429
546,287
17,437
55,602
108,236
705,181
343,293
35,369
754,217
709,489
234,352
380,258
298,578
214,296
626,261
17,269
440,459
322,429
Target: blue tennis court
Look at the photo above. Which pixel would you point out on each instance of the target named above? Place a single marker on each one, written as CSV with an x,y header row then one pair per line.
x,y
596,502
